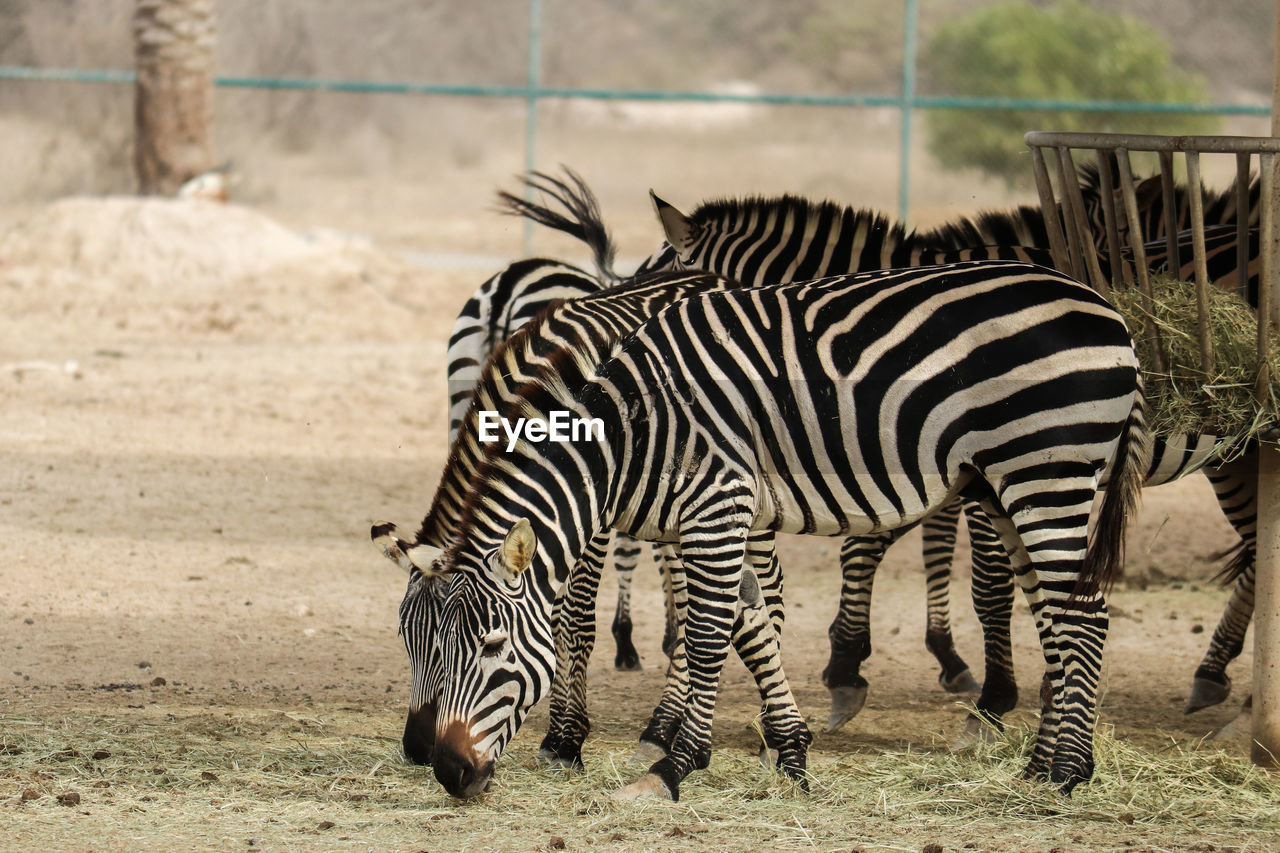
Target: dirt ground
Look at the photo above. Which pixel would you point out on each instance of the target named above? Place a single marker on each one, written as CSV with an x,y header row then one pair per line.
x,y
202,412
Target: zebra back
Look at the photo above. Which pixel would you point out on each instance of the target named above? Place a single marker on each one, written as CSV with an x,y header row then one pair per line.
x,y
504,303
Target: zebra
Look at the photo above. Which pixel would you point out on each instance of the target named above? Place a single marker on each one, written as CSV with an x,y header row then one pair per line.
x,y
755,637
1003,381
500,306
513,297
658,734
760,240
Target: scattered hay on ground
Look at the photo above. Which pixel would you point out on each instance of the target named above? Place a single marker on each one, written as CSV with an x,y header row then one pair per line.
x,y
1182,399
278,779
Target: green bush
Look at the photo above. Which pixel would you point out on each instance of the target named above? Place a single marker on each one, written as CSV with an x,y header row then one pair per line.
x,y
1068,51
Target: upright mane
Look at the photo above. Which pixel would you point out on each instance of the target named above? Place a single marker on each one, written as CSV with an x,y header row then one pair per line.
x,y
733,213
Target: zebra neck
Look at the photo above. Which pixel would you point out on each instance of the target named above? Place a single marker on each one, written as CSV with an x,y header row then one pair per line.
x,y
560,487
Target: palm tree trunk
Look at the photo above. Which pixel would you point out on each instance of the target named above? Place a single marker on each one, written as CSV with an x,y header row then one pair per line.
x,y
173,52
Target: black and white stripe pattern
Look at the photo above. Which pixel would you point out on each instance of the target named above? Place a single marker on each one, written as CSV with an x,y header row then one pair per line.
x,y
895,391
518,294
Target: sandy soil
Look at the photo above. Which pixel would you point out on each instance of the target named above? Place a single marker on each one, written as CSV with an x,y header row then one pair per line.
x,y
202,412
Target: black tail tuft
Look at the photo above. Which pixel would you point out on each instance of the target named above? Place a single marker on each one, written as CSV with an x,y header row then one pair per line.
x,y
1105,557
583,221
1242,557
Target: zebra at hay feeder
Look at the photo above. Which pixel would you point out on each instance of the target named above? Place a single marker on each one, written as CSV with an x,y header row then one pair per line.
x,y
1083,248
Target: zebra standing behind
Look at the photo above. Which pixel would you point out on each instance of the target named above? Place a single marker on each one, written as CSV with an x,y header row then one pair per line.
x,y
775,240
849,405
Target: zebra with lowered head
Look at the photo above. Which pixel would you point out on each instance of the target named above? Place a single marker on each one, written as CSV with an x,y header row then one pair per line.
x,y
604,317
895,391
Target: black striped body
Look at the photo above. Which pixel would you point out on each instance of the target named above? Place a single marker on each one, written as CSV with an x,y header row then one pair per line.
x,y
495,311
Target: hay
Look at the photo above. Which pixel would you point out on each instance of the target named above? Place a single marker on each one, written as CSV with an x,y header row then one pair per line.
x,y
286,780
1181,399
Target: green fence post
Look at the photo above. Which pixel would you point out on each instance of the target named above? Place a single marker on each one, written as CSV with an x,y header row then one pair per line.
x,y
531,109
909,19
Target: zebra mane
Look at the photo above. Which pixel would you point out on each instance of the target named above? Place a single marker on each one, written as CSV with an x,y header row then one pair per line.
x,y
554,363
1019,226
543,366
731,213
467,452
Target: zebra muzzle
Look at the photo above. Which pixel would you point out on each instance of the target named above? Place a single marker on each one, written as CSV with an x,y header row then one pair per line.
x,y
419,739
457,766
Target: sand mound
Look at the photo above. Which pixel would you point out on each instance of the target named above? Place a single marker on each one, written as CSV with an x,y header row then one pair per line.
x,y
194,266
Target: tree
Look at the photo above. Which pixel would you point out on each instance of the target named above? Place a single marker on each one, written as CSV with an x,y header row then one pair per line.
x,y
1069,51
173,54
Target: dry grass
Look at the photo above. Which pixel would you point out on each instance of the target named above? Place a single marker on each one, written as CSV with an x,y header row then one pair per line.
x,y
276,780
1182,399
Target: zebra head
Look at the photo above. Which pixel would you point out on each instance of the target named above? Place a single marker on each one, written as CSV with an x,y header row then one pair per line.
x,y
480,650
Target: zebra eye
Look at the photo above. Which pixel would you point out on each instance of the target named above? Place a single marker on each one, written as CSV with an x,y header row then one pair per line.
x,y
493,645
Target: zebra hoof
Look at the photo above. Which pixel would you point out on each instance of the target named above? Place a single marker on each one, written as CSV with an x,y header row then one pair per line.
x,y
1239,729
552,761
627,663
1206,693
976,731
846,702
649,785
648,753
962,682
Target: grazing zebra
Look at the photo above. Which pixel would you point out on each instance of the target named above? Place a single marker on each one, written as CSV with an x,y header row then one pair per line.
x,y
603,317
895,392
770,240
513,297
500,306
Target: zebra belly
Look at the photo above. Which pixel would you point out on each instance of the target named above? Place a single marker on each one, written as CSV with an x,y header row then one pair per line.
x,y
845,506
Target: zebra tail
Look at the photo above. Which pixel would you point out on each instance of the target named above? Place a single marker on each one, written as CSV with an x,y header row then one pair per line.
x,y
1105,556
583,220
1241,558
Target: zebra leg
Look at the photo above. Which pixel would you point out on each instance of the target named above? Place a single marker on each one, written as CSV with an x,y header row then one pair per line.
x,y
575,635
1235,484
787,737
850,632
761,556
756,642
657,736
939,553
993,593
626,554
713,561
1046,544
1211,684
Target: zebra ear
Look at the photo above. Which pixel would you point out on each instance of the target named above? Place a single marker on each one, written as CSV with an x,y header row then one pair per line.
x,y
400,552
680,231
517,549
